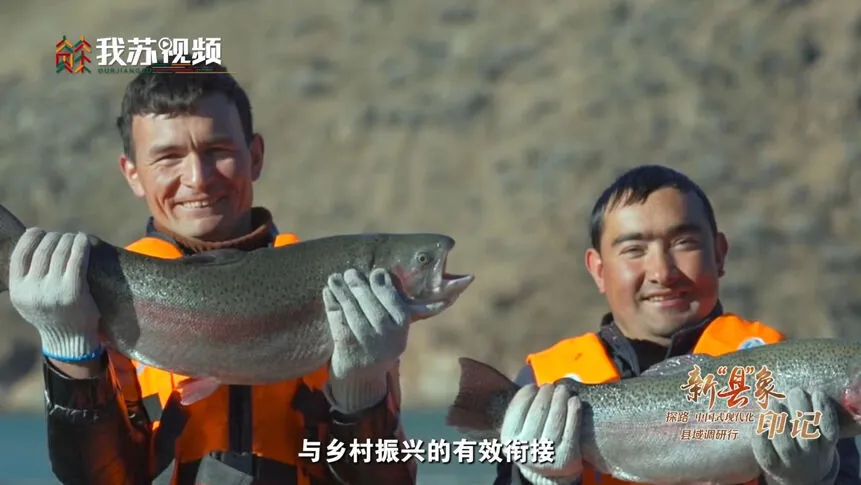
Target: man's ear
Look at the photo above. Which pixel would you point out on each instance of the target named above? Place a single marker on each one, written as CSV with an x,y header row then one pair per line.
x,y
130,172
595,266
257,149
721,250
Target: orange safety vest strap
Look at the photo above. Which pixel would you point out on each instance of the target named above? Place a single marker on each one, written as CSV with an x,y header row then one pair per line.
x,y
576,358
285,239
729,333
155,247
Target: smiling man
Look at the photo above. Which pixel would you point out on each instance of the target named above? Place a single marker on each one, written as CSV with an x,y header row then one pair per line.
x,y
657,256
190,151
207,199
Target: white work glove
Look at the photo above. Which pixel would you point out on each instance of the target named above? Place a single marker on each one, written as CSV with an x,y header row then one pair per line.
x,y
785,460
550,413
48,286
369,323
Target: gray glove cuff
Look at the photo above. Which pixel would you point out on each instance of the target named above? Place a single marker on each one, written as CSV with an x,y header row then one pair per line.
x,y
75,348
537,479
355,394
830,478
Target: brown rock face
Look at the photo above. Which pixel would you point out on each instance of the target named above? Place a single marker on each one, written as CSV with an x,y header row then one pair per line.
x,y
498,123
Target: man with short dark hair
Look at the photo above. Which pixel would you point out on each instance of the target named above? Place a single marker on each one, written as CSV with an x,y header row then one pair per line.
x,y
191,153
657,256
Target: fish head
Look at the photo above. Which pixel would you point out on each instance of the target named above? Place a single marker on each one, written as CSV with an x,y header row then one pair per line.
x,y
417,263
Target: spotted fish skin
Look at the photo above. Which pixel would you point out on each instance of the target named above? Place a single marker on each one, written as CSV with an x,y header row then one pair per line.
x,y
629,433
241,317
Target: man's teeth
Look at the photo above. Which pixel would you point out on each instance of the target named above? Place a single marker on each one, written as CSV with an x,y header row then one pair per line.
x,y
197,204
663,298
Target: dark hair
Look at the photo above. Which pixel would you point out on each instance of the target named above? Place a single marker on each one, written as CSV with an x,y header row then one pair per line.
x,y
166,93
635,186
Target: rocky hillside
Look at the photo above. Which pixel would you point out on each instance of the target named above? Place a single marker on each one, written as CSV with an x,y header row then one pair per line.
x,y
497,122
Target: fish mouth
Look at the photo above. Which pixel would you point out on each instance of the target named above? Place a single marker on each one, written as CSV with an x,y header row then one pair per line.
x,y
445,289
851,398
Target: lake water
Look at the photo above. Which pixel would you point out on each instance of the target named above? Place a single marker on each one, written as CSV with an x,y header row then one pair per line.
x,y
24,459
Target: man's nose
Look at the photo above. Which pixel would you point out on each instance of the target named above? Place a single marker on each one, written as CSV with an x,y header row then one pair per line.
x,y
196,173
662,268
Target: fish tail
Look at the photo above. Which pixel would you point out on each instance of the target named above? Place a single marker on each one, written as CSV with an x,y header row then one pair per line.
x,y
11,230
482,398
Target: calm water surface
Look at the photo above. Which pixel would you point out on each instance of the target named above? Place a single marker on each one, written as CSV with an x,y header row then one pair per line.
x,y
24,459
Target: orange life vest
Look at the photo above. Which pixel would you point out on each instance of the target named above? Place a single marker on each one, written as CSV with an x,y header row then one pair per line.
x,y
278,427
585,359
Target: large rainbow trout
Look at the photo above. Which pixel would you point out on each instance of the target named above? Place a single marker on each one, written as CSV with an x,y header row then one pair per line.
x,y
235,317
646,430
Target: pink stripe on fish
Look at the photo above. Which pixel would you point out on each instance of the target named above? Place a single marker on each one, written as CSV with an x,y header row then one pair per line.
x,y
168,320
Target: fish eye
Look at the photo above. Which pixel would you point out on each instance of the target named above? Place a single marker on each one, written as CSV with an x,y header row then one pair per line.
x,y
423,258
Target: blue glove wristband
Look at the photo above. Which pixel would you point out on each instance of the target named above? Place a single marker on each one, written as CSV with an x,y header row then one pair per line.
x,y
82,359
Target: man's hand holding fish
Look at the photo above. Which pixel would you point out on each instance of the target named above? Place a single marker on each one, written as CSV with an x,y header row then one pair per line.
x,y
48,288
369,323
548,413
787,460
